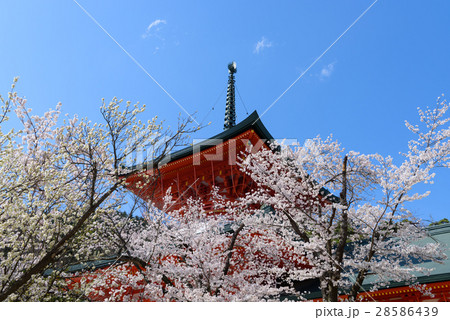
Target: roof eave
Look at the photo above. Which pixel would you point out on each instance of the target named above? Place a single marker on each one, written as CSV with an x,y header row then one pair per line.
x,y
253,121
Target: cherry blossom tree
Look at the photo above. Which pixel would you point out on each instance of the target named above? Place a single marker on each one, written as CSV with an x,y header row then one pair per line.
x,y
190,255
346,212
59,178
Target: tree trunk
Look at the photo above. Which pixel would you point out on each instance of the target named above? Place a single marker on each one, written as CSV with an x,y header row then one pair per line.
x,y
329,290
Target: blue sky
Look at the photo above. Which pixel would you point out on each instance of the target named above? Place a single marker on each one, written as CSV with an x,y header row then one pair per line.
x,y
394,59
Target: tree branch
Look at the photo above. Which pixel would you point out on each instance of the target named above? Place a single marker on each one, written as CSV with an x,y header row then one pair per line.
x,y
51,255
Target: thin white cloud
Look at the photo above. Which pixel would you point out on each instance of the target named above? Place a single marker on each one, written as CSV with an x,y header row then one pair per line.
x,y
327,71
154,25
261,44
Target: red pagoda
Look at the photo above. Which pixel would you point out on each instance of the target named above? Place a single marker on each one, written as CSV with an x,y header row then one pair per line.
x,y
195,170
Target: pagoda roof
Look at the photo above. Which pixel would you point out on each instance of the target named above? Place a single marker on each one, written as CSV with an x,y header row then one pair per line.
x,y
253,121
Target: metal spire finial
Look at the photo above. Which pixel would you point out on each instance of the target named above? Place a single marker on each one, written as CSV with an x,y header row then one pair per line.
x,y
230,111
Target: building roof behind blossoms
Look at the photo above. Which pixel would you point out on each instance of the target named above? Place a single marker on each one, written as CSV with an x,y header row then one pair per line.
x,y
88,265
441,271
